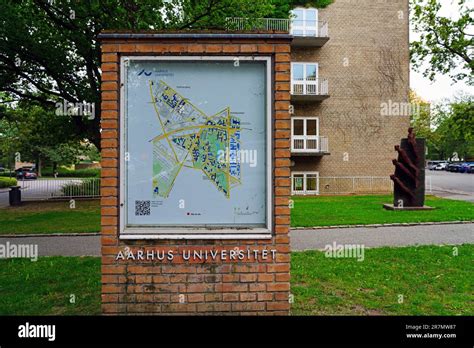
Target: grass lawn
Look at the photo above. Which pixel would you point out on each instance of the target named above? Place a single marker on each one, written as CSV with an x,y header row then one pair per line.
x,y
45,287
51,217
57,217
431,280
362,210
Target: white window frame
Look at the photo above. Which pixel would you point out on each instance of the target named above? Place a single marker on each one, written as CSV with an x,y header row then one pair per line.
x,y
305,137
178,232
305,28
305,177
305,82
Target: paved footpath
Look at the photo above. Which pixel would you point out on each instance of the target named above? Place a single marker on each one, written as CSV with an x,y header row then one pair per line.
x,y
451,234
87,245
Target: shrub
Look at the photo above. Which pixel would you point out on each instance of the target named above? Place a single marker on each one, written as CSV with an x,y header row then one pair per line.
x,y
67,173
7,182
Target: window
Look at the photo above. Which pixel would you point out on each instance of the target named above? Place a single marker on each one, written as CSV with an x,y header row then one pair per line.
x,y
305,134
304,78
305,183
304,22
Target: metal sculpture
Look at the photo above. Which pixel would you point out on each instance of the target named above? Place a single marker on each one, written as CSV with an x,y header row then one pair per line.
x,y
409,177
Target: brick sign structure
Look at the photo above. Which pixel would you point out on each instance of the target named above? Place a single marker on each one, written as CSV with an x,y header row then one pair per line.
x,y
157,260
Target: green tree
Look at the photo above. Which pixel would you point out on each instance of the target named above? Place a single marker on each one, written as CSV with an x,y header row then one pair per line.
x,y
49,51
282,8
420,117
462,119
444,43
36,134
454,131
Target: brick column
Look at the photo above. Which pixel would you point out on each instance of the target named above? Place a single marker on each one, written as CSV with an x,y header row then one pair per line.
x,y
245,287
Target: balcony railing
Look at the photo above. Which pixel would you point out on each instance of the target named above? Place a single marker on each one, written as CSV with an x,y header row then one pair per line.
x,y
294,27
310,87
264,24
309,144
309,28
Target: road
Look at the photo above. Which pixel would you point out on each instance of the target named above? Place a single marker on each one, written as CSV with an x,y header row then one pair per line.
x,y
451,185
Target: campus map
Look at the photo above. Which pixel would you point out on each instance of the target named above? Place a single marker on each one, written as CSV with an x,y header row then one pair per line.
x,y
188,138
195,138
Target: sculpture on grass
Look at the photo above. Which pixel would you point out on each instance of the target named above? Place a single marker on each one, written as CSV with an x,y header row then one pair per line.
x,y
409,177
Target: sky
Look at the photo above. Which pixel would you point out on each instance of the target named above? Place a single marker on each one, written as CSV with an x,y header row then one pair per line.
x,y
443,87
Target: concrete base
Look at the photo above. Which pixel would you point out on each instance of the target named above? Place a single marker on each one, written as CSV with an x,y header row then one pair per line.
x,y
392,207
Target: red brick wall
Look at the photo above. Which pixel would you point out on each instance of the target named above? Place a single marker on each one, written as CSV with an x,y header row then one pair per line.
x,y
250,287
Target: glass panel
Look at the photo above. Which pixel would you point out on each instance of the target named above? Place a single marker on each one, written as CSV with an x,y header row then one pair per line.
x,y
311,182
311,127
310,33
154,179
297,32
311,15
297,72
311,72
298,182
298,127
297,16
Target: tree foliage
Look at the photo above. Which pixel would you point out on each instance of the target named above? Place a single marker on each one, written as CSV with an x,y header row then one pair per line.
x,y
446,44
282,8
32,133
421,117
448,127
49,51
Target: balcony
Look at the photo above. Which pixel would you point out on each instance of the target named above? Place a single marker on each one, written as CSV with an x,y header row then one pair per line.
x,y
309,145
306,33
305,138
309,90
309,33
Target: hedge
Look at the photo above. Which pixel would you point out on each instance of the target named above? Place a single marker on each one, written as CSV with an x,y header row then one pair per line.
x,y
7,182
67,173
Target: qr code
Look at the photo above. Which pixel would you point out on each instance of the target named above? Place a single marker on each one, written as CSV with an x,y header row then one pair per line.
x,y
142,207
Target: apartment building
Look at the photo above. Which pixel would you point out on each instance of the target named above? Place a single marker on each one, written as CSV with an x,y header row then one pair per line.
x,y
349,86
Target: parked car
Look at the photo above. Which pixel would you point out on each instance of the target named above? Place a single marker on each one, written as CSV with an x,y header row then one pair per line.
x,y
464,167
26,174
454,167
471,169
441,166
431,165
